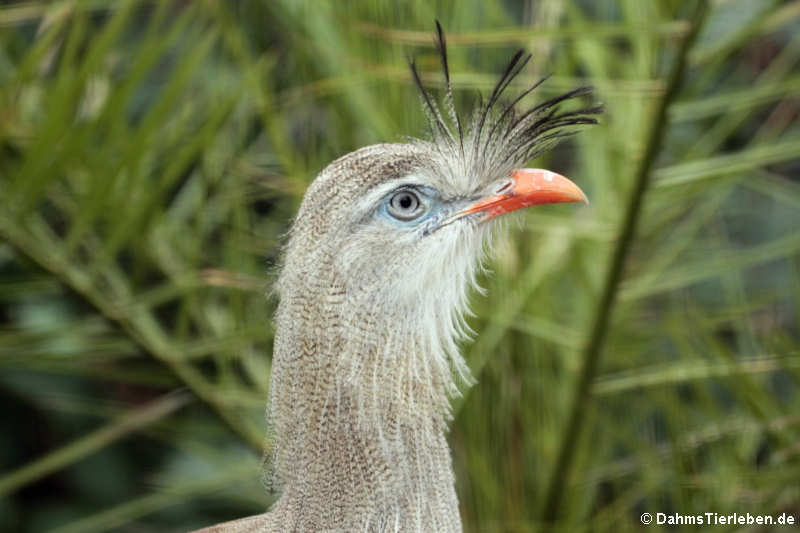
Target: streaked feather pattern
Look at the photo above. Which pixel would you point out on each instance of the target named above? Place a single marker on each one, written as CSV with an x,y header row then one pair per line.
x,y
366,358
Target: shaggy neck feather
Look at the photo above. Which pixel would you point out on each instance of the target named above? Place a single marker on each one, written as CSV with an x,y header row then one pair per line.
x,y
359,410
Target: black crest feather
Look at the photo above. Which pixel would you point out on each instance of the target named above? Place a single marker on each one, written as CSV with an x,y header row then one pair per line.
x,y
511,135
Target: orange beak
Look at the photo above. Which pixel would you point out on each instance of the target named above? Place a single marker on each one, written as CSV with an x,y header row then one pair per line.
x,y
527,187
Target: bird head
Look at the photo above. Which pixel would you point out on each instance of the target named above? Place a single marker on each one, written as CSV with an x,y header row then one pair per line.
x,y
388,239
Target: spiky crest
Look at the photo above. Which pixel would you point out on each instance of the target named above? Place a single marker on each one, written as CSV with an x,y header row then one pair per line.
x,y
498,140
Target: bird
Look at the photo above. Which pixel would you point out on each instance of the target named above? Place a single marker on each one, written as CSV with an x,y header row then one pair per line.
x,y
374,288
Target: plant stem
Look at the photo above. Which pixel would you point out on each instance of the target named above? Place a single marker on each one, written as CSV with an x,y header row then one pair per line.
x,y
605,305
140,327
94,441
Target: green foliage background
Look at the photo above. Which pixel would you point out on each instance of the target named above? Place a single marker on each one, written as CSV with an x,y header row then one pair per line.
x,y
152,154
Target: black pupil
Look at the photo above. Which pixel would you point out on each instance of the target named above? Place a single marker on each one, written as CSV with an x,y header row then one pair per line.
x,y
406,201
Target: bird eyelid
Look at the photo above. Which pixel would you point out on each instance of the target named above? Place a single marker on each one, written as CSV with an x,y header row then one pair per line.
x,y
426,190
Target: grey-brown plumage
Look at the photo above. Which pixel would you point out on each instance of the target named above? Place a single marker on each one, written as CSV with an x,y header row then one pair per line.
x,y
373,289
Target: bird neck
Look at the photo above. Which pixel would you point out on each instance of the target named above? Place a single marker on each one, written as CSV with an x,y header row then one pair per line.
x,y
359,406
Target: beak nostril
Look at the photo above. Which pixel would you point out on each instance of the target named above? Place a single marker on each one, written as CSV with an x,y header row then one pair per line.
x,y
504,186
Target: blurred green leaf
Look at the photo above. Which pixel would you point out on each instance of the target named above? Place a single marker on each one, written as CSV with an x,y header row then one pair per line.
x,y
152,154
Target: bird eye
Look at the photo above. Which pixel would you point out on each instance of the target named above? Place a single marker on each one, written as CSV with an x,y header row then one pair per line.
x,y
405,205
